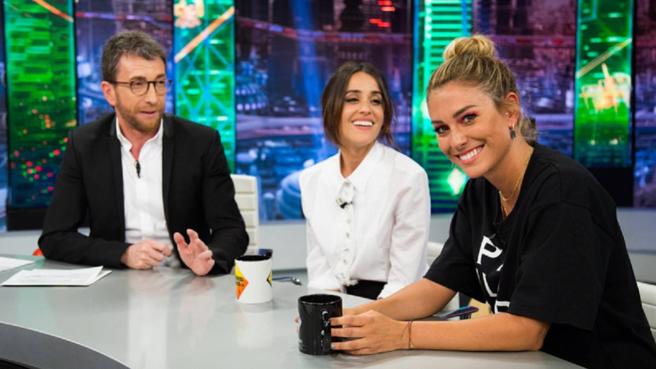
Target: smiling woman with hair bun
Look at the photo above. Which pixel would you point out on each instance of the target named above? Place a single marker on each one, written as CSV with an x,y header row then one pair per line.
x,y
534,235
368,206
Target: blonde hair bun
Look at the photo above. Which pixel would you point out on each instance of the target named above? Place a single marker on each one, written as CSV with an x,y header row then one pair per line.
x,y
476,45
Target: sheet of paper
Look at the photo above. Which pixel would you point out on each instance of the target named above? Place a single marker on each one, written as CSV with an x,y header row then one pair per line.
x,y
11,263
56,277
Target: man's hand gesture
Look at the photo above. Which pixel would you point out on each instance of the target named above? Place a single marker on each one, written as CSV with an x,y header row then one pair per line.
x,y
195,254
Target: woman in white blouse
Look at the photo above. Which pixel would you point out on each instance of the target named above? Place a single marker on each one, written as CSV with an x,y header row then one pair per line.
x,y
368,206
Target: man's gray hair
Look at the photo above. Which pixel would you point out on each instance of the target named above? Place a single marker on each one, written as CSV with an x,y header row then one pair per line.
x,y
135,43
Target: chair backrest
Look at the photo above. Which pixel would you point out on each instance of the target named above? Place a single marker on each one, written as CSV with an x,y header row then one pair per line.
x,y
247,201
433,250
648,297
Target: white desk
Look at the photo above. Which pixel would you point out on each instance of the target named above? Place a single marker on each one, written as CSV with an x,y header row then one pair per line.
x,y
170,319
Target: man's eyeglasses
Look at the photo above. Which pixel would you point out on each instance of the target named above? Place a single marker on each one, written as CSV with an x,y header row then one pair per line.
x,y
140,87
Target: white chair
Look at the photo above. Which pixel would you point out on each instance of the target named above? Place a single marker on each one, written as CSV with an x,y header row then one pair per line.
x,y
433,250
247,200
648,298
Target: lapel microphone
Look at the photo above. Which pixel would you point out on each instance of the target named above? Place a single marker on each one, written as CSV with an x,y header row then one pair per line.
x,y
343,203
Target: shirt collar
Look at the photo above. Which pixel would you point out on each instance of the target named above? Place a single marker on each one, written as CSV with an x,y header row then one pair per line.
x,y
362,173
157,139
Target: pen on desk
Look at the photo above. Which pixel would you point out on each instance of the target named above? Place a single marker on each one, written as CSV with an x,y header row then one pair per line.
x,y
287,278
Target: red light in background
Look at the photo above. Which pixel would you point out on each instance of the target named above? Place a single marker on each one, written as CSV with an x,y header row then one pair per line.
x,y
374,21
384,24
388,9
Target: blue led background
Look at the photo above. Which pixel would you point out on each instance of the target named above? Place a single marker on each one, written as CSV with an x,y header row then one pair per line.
x,y
645,105
95,22
286,51
537,39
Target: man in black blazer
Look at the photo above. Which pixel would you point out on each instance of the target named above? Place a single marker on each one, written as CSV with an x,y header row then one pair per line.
x,y
143,179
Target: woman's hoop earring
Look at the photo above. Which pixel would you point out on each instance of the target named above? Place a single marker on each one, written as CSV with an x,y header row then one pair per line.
x,y
513,134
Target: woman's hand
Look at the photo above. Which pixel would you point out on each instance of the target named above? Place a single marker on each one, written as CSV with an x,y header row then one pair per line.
x,y
369,333
348,311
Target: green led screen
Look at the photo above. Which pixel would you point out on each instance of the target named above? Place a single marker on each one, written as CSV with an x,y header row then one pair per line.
x,y
436,24
3,131
41,99
603,83
204,70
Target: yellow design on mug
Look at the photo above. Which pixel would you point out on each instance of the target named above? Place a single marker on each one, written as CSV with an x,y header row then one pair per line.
x,y
269,279
242,282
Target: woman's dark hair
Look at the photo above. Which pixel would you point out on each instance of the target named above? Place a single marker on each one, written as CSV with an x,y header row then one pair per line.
x,y
332,100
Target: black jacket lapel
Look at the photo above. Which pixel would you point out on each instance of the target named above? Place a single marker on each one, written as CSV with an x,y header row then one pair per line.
x,y
168,148
114,149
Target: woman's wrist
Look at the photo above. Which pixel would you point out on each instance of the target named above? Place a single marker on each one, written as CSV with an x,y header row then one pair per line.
x,y
405,338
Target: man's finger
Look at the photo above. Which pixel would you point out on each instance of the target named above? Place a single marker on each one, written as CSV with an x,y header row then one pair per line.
x,y
198,247
210,265
146,262
158,246
154,255
205,255
193,235
202,267
152,250
177,237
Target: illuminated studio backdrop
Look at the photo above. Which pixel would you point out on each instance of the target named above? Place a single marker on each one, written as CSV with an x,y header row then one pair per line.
x,y
254,70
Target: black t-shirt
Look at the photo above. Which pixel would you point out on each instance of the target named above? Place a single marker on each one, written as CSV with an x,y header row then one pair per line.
x,y
559,257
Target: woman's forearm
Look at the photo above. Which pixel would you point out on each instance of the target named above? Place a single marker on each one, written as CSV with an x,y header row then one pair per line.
x,y
418,300
499,332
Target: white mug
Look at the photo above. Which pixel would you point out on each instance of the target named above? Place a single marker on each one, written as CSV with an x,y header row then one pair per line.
x,y
253,278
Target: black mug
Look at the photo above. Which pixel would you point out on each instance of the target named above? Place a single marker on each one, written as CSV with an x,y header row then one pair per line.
x,y
315,312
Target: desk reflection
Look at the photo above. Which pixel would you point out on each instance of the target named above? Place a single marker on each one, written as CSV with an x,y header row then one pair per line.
x,y
167,318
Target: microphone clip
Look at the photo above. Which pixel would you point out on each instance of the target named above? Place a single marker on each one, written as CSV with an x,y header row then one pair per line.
x,y
343,203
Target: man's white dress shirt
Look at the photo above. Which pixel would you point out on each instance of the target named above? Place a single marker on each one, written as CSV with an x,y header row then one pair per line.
x,y
372,225
142,192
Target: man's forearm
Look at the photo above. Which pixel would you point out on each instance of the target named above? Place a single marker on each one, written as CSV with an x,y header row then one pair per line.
x,y
76,248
